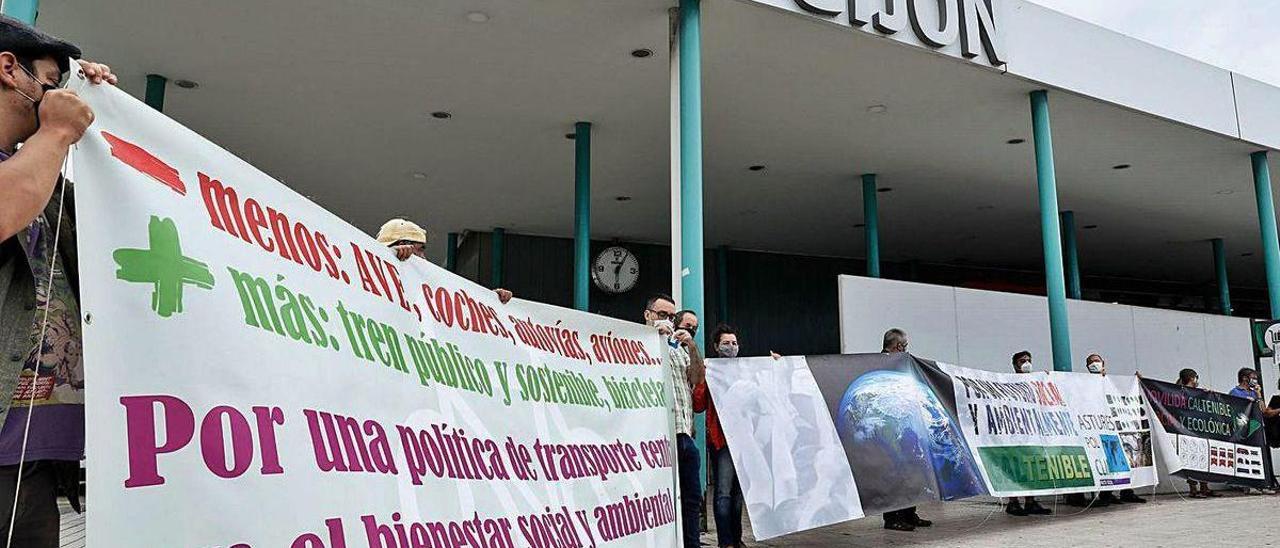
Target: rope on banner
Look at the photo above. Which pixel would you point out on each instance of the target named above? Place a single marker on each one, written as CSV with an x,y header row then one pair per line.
x,y
44,328
39,348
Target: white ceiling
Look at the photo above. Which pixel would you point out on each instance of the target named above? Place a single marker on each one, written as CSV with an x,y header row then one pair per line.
x,y
334,97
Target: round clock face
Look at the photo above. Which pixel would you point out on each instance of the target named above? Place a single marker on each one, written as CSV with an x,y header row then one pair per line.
x,y
615,270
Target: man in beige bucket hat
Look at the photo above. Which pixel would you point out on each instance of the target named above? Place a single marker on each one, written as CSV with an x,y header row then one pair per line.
x,y
410,240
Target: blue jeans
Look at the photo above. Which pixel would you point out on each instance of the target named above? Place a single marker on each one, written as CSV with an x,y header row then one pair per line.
x,y
690,488
728,501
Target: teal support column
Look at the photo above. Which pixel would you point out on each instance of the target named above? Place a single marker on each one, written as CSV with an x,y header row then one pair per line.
x,y
722,285
1267,220
871,218
1220,272
581,215
155,91
691,246
1069,253
495,265
451,252
1046,180
22,10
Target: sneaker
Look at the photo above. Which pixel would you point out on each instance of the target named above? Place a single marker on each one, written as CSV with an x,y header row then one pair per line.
x,y
1014,509
918,521
1034,508
1075,499
899,526
1206,493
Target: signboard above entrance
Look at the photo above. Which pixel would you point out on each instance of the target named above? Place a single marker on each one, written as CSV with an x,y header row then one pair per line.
x,y
964,28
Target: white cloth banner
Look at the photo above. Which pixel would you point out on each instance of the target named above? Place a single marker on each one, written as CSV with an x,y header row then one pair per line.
x,y
262,374
1051,433
786,452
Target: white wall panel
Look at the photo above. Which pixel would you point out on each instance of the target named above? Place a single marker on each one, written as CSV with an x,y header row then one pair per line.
x,y
895,304
1105,329
993,326
1259,107
1054,49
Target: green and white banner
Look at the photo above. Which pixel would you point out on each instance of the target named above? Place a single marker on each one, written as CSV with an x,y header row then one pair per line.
x,y
1050,433
262,374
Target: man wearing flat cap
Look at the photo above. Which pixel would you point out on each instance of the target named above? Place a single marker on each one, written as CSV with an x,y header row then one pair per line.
x,y
410,240
42,419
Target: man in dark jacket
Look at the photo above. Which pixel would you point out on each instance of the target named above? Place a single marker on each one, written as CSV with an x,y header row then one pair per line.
x,y
41,370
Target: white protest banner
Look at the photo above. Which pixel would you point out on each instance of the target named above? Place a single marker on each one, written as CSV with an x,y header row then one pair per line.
x,y
261,374
1041,433
1111,414
786,451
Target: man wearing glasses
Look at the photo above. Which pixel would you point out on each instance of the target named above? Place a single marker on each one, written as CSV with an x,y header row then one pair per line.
x,y
685,370
41,366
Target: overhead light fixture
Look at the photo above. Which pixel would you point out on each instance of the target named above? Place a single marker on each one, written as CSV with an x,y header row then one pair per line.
x,y
860,225
985,207
623,198
1016,141
441,115
1089,227
1121,166
478,17
419,175
877,109
885,189
186,84
571,136
641,53
1246,254
757,167
1225,192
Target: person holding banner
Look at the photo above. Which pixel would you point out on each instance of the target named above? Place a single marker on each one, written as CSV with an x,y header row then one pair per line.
x,y
1098,366
39,294
1199,489
410,240
685,370
906,519
1029,506
727,505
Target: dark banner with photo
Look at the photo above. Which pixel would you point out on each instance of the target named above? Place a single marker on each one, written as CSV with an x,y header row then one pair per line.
x,y
1206,435
895,415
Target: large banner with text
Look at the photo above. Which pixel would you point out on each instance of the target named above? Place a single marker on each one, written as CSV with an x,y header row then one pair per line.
x,y
261,374
909,431
1052,433
1208,436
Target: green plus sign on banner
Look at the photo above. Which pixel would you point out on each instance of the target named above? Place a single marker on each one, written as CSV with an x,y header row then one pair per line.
x,y
163,266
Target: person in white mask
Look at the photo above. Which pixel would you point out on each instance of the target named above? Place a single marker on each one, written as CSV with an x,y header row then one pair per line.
x,y
1028,506
1098,366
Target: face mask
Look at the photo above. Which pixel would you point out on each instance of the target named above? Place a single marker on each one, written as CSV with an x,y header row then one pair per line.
x,y
1024,367
727,351
662,323
1094,367
35,103
1253,383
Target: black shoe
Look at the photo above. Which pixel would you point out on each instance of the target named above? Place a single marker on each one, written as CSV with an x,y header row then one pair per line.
x,y
897,525
1075,499
1108,498
1014,509
1035,509
1130,497
918,521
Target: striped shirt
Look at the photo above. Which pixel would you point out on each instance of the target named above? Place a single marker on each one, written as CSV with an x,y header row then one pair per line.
x,y
677,363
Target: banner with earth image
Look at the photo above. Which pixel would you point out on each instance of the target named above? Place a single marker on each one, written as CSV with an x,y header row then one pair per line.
x,y
822,439
895,414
